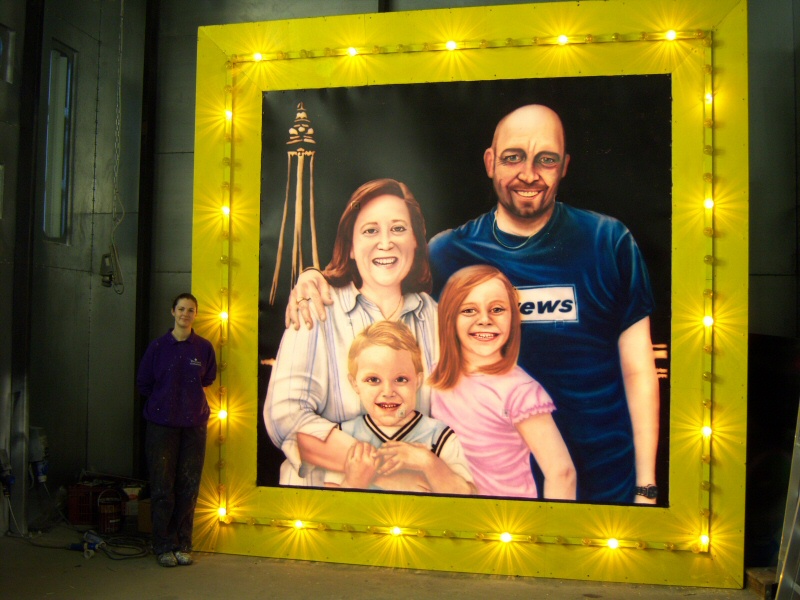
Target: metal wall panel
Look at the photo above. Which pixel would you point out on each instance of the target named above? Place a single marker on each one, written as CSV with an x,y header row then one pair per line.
x,y
110,394
76,253
172,214
9,133
83,334
773,220
177,55
181,17
110,384
12,15
772,142
58,369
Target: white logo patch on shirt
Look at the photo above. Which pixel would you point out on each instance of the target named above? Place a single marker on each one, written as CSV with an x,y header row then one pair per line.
x,y
195,362
545,304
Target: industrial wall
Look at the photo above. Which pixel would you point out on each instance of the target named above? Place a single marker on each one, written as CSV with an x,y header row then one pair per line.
x,y
83,351
774,27
79,364
12,16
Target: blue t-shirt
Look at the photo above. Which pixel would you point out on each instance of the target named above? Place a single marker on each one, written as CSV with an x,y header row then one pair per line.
x,y
582,281
173,374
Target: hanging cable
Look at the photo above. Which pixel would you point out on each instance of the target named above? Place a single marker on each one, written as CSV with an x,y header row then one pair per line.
x,y
118,208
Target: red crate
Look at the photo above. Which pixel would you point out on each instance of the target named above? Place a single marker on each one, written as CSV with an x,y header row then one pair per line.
x,y
82,503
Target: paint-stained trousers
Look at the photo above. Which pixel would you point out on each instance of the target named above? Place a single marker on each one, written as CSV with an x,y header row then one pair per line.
x,y
175,463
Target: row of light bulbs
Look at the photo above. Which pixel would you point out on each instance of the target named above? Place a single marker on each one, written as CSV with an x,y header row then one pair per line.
x,y
505,537
702,542
453,45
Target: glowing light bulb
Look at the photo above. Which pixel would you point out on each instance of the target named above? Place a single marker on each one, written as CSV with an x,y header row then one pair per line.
x,y
257,56
298,524
223,414
396,531
709,203
505,537
223,315
709,98
708,321
706,431
451,45
352,51
222,511
229,114
671,35
562,39
613,543
226,210
704,540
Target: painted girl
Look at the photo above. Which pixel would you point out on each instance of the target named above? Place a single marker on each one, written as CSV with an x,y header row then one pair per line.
x,y
498,411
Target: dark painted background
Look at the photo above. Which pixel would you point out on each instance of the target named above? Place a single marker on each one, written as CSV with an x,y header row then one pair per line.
x,y
432,137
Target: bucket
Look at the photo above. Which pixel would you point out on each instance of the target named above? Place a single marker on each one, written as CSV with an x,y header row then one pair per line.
x,y
109,504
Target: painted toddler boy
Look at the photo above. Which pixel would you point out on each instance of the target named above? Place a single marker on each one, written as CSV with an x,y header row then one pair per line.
x,y
397,448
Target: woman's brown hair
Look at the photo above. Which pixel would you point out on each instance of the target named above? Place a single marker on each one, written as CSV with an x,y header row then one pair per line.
x,y
342,269
451,360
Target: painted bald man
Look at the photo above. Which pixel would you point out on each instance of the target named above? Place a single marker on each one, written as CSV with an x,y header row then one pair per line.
x,y
585,303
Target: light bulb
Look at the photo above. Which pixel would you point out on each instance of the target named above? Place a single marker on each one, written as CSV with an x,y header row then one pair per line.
x,y
257,56
396,531
505,537
223,414
226,210
352,51
222,511
708,320
562,39
613,543
709,203
671,35
451,45
706,431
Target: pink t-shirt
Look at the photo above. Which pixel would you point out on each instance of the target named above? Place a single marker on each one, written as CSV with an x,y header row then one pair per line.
x,y
483,409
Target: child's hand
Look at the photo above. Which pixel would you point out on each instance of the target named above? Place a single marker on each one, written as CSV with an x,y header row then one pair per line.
x,y
398,456
360,466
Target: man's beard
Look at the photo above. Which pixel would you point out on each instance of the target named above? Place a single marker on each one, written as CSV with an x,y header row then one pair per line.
x,y
529,211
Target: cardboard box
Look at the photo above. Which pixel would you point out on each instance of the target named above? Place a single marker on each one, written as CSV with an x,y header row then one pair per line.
x,y
132,505
145,517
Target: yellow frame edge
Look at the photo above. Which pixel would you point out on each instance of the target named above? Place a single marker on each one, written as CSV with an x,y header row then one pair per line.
x,y
707,478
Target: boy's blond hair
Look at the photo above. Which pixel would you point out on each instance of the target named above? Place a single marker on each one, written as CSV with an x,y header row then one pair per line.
x,y
391,334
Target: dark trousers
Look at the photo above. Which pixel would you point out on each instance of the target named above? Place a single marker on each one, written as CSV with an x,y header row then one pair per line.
x,y
175,464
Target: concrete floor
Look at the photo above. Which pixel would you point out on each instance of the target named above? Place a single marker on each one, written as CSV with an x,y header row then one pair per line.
x,y
28,569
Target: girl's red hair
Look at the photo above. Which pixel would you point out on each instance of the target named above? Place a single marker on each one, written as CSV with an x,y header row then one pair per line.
x,y
451,360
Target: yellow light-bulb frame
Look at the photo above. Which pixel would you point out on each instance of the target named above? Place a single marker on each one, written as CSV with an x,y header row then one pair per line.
x,y
707,57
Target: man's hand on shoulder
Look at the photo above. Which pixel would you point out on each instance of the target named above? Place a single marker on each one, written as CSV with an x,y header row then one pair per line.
x,y
311,288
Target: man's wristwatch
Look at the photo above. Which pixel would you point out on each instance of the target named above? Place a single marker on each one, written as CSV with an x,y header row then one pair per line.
x,y
648,491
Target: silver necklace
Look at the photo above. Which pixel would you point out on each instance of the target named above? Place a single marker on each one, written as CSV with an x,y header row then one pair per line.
x,y
506,246
396,310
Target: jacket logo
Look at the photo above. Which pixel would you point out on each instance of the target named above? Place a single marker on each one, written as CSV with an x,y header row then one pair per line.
x,y
195,362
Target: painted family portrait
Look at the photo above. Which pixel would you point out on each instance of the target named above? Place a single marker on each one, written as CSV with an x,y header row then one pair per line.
x,y
465,289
